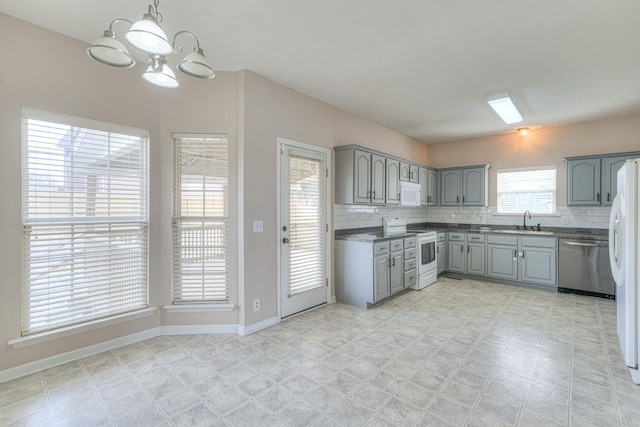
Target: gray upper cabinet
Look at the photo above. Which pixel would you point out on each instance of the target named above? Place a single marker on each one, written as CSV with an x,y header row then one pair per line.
x,y
360,177
393,182
584,181
408,172
464,187
592,180
450,186
427,178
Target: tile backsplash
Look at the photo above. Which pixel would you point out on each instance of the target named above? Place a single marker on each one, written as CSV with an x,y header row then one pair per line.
x,y
357,216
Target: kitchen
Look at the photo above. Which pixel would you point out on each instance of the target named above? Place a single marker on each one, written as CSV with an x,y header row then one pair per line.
x,y
269,110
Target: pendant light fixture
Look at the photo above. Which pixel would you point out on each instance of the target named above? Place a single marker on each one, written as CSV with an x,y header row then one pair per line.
x,y
148,36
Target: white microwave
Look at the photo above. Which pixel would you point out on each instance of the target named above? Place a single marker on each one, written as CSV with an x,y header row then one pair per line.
x,y
409,194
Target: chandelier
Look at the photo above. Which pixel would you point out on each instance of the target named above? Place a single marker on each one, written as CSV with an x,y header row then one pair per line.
x,y
147,36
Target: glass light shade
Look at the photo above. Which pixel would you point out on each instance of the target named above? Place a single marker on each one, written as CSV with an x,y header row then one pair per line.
x,y
149,37
165,78
110,51
195,64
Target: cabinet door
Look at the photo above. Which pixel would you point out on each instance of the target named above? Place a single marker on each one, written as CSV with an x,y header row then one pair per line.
x,y
423,178
441,256
456,257
381,288
450,187
539,266
413,173
397,270
393,182
405,172
611,166
475,259
583,182
378,172
473,187
432,188
501,262
362,177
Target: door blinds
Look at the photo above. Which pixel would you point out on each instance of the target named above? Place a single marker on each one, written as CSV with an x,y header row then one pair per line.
x,y
84,220
307,221
200,271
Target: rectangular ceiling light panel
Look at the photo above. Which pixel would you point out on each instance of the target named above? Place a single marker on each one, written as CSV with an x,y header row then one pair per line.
x,y
506,109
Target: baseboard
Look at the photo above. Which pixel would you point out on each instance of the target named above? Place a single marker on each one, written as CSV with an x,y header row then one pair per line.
x,y
332,300
246,330
60,359
199,329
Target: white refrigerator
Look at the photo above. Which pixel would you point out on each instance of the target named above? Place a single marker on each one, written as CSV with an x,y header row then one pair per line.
x,y
624,253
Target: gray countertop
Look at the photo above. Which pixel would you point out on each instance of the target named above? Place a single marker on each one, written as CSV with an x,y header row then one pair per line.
x,y
372,234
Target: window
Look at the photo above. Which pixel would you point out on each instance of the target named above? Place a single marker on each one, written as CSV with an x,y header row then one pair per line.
x,y
200,218
529,189
85,217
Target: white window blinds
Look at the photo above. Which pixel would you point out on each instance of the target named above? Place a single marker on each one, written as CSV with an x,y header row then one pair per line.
x,y
530,189
307,221
200,219
84,220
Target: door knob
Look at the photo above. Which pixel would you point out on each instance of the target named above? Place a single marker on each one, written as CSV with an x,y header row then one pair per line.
x,y
285,240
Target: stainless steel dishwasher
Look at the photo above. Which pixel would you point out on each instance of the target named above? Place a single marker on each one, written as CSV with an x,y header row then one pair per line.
x,y
584,268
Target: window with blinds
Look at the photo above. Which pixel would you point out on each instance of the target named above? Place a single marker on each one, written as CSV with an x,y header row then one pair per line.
x,y
85,220
200,219
530,189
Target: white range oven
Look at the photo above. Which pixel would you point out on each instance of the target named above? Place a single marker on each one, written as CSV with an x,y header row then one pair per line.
x,y
427,260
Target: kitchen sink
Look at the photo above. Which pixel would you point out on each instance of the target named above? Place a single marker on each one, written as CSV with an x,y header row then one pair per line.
x,y
529,232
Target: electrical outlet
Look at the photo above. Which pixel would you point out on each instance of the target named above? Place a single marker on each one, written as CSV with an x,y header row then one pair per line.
x,y
256,304
258,226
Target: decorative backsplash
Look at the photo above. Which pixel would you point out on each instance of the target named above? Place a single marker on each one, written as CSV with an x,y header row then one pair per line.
x,y
359,216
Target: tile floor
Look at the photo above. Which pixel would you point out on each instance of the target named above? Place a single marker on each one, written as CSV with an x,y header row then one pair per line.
x,y
461,352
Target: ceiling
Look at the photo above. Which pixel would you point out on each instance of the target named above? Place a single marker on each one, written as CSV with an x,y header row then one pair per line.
x,y
423,68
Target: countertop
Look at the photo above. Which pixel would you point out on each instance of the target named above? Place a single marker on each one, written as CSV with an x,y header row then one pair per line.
x,y
372,234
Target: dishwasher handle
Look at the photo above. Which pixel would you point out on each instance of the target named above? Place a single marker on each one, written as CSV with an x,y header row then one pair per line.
x,y
592,245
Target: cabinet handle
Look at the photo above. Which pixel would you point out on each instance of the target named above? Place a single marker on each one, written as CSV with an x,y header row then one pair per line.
x,y
468,248
462,248
457,199
462,199
608,197
374,195
393,262
598,197
438,250
514,254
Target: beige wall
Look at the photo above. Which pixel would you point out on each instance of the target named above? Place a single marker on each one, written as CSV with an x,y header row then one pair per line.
x,y
270,111
542,147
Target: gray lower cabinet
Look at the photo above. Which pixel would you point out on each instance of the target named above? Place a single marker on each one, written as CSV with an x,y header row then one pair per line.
x,y
476,254
527,259
456,255
369,272
502,257
441,252
539,255
466,254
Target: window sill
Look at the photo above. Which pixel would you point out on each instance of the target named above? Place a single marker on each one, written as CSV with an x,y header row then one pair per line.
x,y
55,334
198,308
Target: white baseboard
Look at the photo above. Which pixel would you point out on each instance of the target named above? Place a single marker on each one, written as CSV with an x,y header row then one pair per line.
x,y
249,329
199,329
332,300
50,362
70,356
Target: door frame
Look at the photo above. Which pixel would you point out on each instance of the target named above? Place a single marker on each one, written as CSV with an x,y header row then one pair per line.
x,y
329,252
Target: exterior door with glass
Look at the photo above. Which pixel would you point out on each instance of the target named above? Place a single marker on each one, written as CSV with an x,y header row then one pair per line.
x,y
303,228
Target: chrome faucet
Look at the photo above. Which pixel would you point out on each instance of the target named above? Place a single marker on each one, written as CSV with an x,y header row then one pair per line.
x,y
524,220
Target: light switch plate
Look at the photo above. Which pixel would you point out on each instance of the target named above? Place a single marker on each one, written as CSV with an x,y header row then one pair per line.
x,y
258,226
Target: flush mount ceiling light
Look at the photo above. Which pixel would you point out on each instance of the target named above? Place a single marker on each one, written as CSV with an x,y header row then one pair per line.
x,y
505,107
523,131
147,36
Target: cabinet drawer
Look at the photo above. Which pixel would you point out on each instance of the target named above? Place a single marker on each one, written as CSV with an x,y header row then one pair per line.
x,y
409,264
502,240
441,237
410,242
381,248
539,242
396,245
410,254
456,236
475,237
410,278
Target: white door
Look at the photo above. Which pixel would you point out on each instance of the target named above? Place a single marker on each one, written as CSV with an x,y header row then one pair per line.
x,y
303,227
